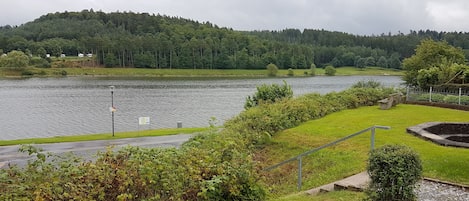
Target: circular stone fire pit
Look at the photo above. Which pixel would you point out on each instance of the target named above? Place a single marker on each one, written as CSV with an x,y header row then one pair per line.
x,y
443,133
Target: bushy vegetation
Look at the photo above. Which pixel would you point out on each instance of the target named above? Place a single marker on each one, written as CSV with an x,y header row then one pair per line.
x,y
269,94
441,98
435,63
272,70
209,167
394,171
330,70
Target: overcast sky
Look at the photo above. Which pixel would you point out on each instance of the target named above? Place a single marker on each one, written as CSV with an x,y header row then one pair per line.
x,y
364,17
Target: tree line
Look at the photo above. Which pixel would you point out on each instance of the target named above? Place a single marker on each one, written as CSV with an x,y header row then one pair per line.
x,y
127,39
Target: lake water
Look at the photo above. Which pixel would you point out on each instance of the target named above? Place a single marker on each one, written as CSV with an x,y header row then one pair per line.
x,y
44,107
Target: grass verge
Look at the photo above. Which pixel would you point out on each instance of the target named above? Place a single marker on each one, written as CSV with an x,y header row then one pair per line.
x,y
349,157
104,136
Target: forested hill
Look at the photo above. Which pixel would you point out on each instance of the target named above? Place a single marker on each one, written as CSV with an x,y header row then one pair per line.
x,y
156,41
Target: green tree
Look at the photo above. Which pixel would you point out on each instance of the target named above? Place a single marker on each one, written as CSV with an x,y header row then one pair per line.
x,y
272,70
330,70
41,52
360,63
15,60
394,61
110,60
382,62
429,54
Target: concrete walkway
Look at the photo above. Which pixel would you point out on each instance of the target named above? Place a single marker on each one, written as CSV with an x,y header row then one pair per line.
x,y
356,182
88,149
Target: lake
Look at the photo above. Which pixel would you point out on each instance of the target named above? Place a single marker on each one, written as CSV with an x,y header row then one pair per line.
x,y
45,107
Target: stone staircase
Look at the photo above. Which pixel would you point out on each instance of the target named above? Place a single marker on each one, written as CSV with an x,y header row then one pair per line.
x,y
356,182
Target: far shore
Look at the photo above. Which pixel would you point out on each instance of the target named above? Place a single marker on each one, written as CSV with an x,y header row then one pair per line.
x,y
186,73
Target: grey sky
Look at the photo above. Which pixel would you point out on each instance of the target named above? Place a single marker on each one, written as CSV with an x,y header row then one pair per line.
x,y
352,16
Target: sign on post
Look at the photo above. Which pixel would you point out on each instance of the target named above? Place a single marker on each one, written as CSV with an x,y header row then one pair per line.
x,y
144,121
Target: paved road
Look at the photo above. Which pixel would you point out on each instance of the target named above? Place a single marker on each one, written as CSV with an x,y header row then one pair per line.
x,y
10,154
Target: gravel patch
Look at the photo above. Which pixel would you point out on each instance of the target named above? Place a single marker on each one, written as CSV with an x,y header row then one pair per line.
x,y
431,191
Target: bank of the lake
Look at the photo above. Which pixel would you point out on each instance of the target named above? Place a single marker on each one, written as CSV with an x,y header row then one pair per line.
x,y
104,136
181,73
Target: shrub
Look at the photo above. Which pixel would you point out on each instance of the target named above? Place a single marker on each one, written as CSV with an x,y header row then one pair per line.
x,y
435,97
269,94
290,72
272,70
313,69
367,84
394,171
330,70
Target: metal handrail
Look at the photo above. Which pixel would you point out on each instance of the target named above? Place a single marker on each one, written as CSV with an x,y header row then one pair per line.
x,y
300,156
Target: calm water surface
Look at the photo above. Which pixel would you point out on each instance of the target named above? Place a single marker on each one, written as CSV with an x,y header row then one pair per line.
x,y
44,107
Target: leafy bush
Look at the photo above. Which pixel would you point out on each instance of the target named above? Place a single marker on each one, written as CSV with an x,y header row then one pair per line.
x,y
313,69
435,97
330,70
290,72
394,171
269,94
216,166
272,70
367,84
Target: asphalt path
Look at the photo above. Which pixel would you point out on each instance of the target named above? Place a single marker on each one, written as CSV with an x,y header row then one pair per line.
x,y
88,149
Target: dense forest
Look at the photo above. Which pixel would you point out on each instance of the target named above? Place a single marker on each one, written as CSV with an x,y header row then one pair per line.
x,y
126,39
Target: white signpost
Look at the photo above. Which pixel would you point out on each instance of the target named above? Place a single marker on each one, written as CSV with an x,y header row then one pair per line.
x,y
143,121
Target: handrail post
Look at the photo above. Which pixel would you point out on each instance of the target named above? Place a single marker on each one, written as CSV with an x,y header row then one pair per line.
x,y
372,146
300,169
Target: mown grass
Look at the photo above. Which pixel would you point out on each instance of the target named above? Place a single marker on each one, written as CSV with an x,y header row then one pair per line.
x,y
348,158
331,196
104,136
142,72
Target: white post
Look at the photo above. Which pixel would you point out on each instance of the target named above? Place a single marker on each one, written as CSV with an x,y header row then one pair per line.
x,y
430,98
460,93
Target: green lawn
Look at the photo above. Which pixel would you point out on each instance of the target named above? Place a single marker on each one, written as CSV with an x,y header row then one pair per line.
x,y
104,136
348,158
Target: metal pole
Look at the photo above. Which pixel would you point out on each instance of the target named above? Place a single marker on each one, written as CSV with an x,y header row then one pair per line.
x,y
372,146
112,108
460,93
299,173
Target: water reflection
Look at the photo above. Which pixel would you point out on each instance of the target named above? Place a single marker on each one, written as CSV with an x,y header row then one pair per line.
x,y
68,106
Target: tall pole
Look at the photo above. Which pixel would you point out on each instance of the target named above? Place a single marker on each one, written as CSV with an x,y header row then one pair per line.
x,y
112,108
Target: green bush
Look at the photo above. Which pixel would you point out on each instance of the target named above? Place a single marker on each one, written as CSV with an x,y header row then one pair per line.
x,y
272,70
290,72
269,94
39,62
435,97
313,69
394,171
330,70
367,84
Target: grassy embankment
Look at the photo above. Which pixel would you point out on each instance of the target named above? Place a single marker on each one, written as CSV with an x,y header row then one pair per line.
x,y
104,136
348,158
141,72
